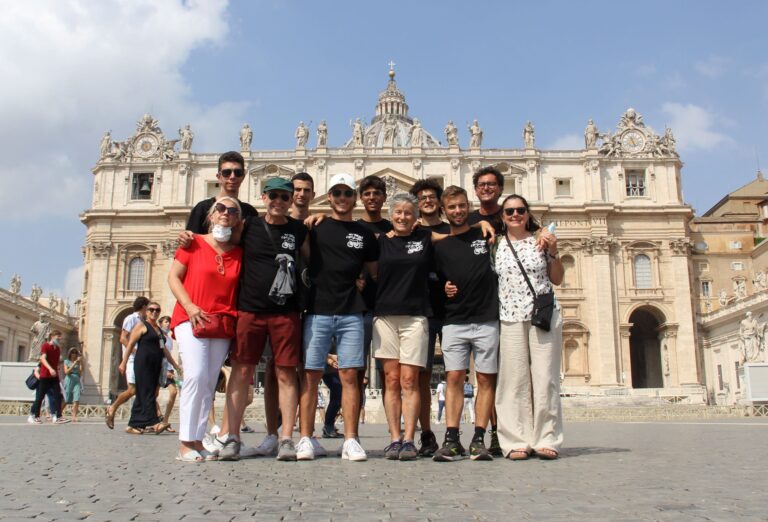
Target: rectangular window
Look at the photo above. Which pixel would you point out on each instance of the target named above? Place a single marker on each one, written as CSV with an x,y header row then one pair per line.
x,y
142,185
703,267
635,183
734,245
738,381
720,377
563,187
706,290
737,266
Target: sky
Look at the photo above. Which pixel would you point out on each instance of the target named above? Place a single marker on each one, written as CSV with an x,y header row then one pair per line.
x,y
75,69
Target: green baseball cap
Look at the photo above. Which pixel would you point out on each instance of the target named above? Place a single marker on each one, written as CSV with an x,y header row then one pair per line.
x,y
278,184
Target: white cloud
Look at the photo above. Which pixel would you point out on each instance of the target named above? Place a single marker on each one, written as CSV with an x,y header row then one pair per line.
x,y
72,70
73,284
712,67
568,142
693,127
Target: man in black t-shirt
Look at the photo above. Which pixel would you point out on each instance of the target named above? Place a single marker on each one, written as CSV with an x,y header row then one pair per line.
x,y
339,250
230,173
471,324
489,185
373,195
271,246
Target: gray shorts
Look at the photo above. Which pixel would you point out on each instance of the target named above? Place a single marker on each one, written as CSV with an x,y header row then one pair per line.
x,y
459,340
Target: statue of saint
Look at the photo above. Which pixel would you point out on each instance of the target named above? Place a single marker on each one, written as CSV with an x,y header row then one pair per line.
x,y
357,133
760,281
121,150
322,135
417,134
723,298
105,147
740,289
301,135
529,137
668,142
53,301
35,293
41,329
389,131
246,136
15,284
475,135
590,135
186,138
452,134
748,337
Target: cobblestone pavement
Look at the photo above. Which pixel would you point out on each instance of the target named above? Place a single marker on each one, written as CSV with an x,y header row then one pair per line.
x,y
708,470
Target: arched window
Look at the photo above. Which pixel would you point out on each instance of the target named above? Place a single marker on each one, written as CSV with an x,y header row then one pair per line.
x,y
569,269
643,276
136,274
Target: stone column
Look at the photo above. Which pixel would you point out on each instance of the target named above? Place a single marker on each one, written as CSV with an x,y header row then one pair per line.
x,y
680,283
625,371
97,370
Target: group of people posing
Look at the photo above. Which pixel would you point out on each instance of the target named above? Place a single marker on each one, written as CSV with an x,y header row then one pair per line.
x,y
326,289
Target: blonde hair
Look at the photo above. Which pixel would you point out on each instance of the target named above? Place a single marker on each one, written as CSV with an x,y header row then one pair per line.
x,y
213,209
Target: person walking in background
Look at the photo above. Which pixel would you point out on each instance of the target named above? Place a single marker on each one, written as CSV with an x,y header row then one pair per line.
x,y
50,355
204,279
168,376
73,370
440,400
469,403
528,393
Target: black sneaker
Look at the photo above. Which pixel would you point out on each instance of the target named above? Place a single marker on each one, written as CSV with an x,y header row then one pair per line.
x,y
408,451
331,433
392,452
428,444
478,451
495,447
452,450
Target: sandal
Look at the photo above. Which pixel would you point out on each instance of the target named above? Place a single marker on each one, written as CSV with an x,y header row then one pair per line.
x,y
109,420
518,455
189,456
161,427
547,454
134,431
169,429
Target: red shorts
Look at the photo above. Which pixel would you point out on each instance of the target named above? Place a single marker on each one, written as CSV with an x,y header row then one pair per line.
x,y
253,330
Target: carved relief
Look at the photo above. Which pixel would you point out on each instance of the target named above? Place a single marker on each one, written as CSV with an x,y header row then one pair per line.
x,y
101,248
169,247
599,244
680,246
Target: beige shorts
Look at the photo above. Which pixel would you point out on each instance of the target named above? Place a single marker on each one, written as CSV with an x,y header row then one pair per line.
x,y
402,337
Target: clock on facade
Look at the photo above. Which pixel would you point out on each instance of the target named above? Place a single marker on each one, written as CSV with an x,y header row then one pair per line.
x,y
145,146
632,141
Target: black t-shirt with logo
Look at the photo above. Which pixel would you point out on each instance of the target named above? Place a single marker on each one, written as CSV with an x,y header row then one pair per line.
x,y
404,265
338,251
259,266
437,285
196,221
494,219
464,260
369,290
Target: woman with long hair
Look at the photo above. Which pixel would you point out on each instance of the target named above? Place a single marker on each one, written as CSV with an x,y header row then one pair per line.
x,y
528,389
204,278
73,369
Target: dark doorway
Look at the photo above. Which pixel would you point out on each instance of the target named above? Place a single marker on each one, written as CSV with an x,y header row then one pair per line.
x,y
645,349
117,382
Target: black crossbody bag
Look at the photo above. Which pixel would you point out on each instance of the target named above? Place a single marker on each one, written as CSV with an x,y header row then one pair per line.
x,y
543,304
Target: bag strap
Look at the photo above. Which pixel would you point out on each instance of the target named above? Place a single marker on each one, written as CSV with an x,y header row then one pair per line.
x,y
520,264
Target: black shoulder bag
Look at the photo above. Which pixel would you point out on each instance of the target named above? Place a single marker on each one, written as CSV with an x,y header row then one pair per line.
x,y
543,304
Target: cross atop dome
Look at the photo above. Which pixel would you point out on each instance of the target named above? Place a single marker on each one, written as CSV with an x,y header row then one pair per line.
x,y
391,70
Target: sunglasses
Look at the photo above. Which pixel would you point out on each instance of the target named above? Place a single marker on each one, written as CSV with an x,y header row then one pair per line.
x,y
222,208
274,195
153,310
219,264
225,173
511,211
348,193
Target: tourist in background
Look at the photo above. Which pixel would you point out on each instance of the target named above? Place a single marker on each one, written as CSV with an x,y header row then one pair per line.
x,y
168,376
204,279
50,358
73,370
528,391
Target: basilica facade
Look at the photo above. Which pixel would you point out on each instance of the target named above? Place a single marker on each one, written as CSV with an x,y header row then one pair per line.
x,y
617,205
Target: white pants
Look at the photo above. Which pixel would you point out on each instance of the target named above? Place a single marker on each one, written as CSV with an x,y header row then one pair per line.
x,y
528,386
469,408
201,360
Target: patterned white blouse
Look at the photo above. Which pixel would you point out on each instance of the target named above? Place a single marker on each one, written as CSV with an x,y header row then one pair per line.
x,y
515,299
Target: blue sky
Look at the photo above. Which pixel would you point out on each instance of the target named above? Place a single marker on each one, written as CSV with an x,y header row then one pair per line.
x,y
80,68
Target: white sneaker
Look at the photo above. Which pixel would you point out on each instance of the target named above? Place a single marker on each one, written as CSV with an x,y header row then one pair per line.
x,y
304,449
209,443
34,420
248,452
59,420
317,448
267,447
215,430
352,450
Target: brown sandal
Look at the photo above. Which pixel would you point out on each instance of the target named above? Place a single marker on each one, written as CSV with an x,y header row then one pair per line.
x,y
109,420
161,427
134,431
519,455
547,454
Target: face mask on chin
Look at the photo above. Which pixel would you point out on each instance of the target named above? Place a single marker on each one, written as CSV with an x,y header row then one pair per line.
x,y
55,341
221,233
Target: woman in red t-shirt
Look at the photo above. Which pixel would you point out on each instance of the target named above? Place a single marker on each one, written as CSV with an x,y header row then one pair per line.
x,y
204,278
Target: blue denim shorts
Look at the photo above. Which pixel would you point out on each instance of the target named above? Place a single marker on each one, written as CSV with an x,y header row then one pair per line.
x,y
347,330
